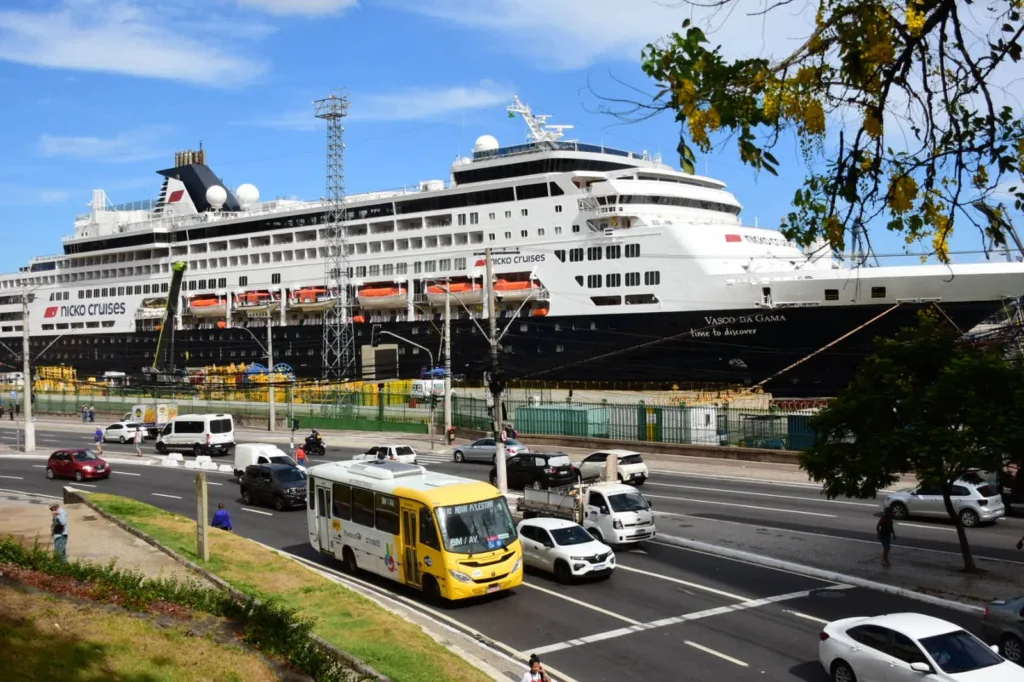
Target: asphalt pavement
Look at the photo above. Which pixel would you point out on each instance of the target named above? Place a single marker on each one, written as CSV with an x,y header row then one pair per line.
x,y
666,614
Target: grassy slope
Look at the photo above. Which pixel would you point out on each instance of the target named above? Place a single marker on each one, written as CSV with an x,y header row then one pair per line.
x,y
395,647
51,640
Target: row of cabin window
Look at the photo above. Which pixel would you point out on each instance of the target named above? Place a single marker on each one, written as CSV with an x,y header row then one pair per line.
x,y
614,279
377,510
610,252
121,291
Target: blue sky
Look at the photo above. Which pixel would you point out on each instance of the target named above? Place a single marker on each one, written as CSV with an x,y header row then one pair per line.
x,y
100,93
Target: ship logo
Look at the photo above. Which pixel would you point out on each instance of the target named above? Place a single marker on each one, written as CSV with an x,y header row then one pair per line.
x,y
51,311
389,559
480,263
176,196
730,238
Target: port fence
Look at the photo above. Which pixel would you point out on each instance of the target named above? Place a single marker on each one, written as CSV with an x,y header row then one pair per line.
x,y
538,414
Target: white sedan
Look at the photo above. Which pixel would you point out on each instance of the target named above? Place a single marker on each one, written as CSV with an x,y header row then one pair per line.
x,y
565,549
909,647
122,432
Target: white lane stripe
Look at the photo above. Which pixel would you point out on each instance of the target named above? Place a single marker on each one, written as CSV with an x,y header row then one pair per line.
x,y
14,478
924,527
126,473
38,466
677,581
701,647
805,616
213,483
581,603
22,492
726,477
173,497
85,485
805,532
753,494
743,506
664,622
257,511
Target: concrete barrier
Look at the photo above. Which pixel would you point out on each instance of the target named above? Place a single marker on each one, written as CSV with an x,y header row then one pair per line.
x,y
176,456
169,462
226,468
190,464
730,452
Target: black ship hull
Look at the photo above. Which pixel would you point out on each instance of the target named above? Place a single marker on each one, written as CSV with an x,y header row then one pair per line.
x,y
640,350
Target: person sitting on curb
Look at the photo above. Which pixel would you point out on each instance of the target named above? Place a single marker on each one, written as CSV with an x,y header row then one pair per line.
x,y
222,518
59,530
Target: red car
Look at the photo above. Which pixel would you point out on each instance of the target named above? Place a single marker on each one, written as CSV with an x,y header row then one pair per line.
x,y
80,465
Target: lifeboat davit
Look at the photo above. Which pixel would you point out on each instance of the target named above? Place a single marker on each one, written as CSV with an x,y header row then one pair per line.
x,y
468,293
208,305
510,290
378,298
257,301
312,298
151,309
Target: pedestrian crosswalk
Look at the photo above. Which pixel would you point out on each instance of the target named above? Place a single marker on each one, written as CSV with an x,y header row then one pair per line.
x,y
426,458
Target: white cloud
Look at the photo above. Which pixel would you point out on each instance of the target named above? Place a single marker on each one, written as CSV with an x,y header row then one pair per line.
x,y
309,8
414,104
127,147
573,34
135,39
23,195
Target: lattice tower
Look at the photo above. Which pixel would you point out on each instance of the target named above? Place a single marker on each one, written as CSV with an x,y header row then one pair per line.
x,y
339,358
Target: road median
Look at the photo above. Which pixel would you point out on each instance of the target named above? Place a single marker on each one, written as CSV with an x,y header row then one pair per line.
x,y
356,627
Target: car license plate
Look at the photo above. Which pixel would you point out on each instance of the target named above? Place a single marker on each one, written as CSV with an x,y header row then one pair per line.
x,y
598,567
493,588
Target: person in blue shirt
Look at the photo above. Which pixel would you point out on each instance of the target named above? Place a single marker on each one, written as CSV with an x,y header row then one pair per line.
x,y
59,530
222,518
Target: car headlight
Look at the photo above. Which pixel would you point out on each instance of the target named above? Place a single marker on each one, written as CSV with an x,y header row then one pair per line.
x,y
87,468
517,566
577,558
460,576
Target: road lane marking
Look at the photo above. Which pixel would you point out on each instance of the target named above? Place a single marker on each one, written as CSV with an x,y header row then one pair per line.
x,y
22,492
743,506
703,588
701,647
873,505
674,620
38,466
213,483
126,473
725,477
805,532
584,604
257,511
921,525
85,485
806,617
14,478
173,497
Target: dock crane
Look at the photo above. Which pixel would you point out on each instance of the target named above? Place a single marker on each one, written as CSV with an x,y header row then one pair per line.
x,y
161,370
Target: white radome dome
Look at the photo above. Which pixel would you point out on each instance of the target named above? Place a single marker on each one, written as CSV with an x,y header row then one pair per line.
x,y
247,195
216,196
486,143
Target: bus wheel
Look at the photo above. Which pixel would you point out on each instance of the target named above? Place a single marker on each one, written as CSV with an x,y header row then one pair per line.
x,y
348,560
431,591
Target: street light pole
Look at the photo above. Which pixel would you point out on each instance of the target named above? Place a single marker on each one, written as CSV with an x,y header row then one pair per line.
x,y
499,443
447,358
26,409
430,428
271,390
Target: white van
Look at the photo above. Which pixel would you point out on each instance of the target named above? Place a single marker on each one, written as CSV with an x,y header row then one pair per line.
x,y
247,454
199,434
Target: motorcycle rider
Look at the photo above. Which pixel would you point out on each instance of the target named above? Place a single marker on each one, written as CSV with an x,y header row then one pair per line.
x,y
314,443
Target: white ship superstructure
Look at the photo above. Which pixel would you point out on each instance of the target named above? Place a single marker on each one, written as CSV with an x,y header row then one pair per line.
x,y
589,237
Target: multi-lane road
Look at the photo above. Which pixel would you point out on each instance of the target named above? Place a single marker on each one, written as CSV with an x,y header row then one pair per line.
x,y
666,614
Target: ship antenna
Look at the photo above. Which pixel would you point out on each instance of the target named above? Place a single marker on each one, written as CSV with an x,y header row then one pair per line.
x,y
540,132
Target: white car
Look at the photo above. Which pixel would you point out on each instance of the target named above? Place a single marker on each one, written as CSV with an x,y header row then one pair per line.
x,y
632,468
909,647
974,502
394,453
122,432
564,548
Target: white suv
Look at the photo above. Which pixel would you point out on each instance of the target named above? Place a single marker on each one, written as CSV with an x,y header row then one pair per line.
x,y
974,502
632,468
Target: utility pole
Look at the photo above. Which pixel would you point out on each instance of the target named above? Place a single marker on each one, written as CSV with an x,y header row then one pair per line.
x,y
496,384
202,514
447,358
26,369
271,390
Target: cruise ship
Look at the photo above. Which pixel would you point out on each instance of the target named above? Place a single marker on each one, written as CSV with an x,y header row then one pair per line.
x,y
609,266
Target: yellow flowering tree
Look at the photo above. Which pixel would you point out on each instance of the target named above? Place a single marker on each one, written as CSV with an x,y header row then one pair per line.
x,y
929,143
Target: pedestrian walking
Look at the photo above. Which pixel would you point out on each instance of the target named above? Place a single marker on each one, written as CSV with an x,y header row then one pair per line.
x,y
886,530
92,413
59,531
85,413
300,456
98,436
536,673
138,441
222,518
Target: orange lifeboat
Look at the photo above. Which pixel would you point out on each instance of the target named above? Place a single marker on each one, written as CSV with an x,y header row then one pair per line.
x,y
208,305
377,298
466,293
256,300
311,298
516,290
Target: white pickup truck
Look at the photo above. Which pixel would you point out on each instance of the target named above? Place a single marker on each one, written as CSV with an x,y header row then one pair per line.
x,y
614,513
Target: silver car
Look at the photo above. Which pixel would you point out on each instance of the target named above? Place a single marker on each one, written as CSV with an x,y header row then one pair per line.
x,y
1003,624
974,502
484,450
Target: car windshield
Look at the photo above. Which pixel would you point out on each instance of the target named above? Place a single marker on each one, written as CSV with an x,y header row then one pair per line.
x,y
477,527
626,502
559,461
959,652
988,491
573,535
282,459
290,475
404,450
631,459
87,456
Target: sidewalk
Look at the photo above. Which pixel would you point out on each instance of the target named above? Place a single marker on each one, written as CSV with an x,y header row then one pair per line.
x,y
90,537
763,472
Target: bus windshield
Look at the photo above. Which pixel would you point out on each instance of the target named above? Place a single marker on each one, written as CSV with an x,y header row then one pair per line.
x,y
477,527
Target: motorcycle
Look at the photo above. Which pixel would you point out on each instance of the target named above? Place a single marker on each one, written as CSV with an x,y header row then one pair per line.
x,y
316,447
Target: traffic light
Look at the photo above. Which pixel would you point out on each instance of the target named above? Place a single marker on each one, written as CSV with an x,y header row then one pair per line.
x,y
497,382
375,335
